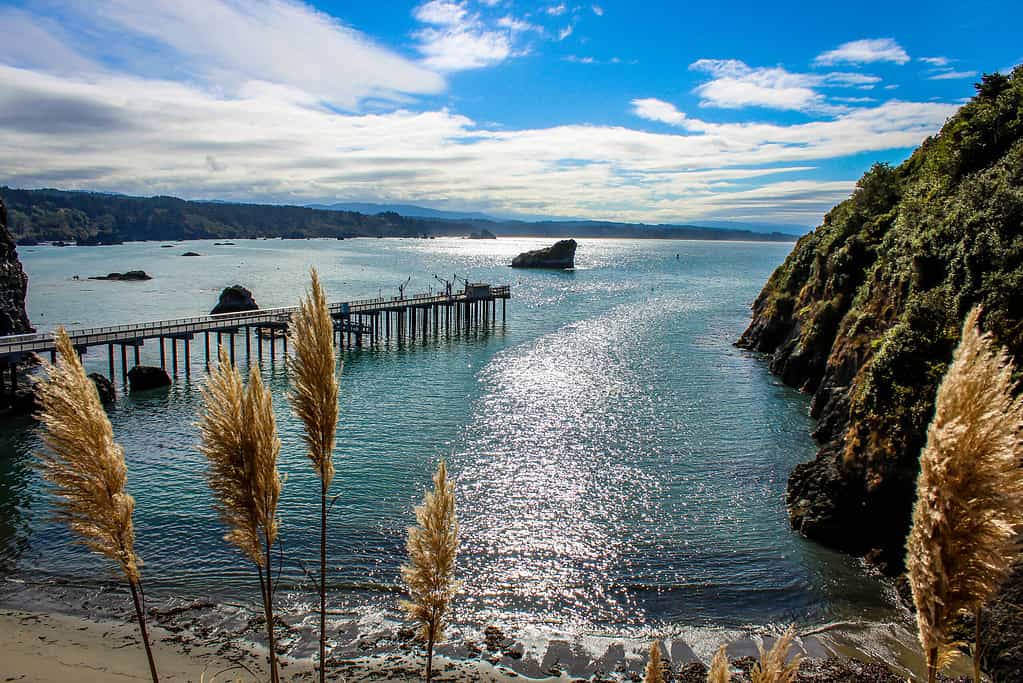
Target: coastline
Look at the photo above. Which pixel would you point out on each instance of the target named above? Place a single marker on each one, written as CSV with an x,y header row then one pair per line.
x,y
50,637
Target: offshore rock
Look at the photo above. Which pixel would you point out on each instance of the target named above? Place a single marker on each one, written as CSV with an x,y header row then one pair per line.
x,y
560,255
235,299
104,387
145,377
130,276
13,283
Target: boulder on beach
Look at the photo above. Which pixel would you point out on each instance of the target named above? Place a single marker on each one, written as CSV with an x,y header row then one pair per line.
x,y
131,275
144,377
190,253
235,299
104,387
559,255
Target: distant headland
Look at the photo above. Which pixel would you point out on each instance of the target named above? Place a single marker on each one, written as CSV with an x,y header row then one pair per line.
x,y
92,218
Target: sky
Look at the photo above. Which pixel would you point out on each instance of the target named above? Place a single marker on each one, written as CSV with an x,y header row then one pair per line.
x,y
660,111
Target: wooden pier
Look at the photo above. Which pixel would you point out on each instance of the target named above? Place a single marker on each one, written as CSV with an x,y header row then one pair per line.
x,y
369,322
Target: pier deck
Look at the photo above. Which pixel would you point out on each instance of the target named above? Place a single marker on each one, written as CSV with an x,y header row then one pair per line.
x,y
369,321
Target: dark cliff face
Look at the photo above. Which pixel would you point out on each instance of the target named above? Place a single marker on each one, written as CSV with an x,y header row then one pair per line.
x,y
866,311
13,283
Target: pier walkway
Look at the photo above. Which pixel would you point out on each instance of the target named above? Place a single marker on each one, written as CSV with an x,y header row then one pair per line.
x,y
368,321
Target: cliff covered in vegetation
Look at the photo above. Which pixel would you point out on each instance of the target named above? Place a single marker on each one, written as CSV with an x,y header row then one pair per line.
x,y
866,310
13,283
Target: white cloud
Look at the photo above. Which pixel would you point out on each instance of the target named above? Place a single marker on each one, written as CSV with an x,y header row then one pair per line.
x,y
653,109
580,60
935,61
441,12
225,45
598,10
456,40
949,75
866,51
557,10
516,25
565,32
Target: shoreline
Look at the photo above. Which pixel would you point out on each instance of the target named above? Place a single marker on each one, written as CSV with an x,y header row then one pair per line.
x,y
50,636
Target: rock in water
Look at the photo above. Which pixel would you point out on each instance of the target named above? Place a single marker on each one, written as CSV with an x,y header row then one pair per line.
x,y
13,283
131,276
144,377
104,387
235,299
560,255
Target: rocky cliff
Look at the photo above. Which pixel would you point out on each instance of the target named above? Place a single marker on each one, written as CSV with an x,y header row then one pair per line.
x,y
866,310
13,283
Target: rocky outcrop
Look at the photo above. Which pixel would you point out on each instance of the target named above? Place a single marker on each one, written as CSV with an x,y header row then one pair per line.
x,y
145,377
104,387
235,299
191,253
560,255
13,283
130,276
866,311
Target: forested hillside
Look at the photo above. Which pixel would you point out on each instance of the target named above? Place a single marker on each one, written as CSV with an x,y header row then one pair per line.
x,y
867,309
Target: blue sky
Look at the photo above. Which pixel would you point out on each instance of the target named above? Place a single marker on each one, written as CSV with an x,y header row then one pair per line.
x,y
613,110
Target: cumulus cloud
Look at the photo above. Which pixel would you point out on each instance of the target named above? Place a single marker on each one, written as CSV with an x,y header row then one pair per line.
x,y
653,109
598,10
556,10
456,40
867,51
565,32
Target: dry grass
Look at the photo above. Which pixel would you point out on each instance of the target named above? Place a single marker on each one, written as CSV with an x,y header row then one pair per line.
x,y
772,667
83,463
969,505
430,573
315,391
719,667
314,401
239,438
654,673
87,472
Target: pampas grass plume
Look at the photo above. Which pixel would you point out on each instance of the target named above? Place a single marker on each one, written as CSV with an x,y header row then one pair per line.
x,y
653,673
314,401
86,470
430,572
314,396
969,506
772,667
719,667
238,435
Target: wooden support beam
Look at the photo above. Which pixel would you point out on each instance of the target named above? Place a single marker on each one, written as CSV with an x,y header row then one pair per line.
x,y
188,358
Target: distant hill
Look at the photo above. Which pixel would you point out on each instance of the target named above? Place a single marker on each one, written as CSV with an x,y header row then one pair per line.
x,y
410,210
46,215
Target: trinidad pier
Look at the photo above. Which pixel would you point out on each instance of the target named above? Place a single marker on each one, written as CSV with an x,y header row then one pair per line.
x,y
263,332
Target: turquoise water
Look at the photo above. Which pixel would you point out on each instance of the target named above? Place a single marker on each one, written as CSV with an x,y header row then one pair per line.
x,y
619,464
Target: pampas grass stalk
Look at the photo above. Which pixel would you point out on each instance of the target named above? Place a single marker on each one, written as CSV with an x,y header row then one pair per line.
x,y
239,438
87,472
430,573
719,667
772,667
653,673
969,506
314,401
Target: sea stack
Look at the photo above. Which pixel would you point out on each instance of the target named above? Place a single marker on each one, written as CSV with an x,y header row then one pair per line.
x,y
13,283
561,255
235,299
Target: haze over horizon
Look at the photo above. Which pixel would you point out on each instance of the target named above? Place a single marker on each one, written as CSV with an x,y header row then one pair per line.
x,y
654,113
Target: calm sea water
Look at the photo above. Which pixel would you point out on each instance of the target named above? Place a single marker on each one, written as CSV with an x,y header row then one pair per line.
x,y
619,464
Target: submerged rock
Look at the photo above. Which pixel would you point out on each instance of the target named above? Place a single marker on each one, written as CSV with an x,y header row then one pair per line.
x,y
145,377
560,255
235,299
190,253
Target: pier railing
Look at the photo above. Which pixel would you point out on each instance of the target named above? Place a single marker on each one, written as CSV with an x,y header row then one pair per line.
x,y
276,317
